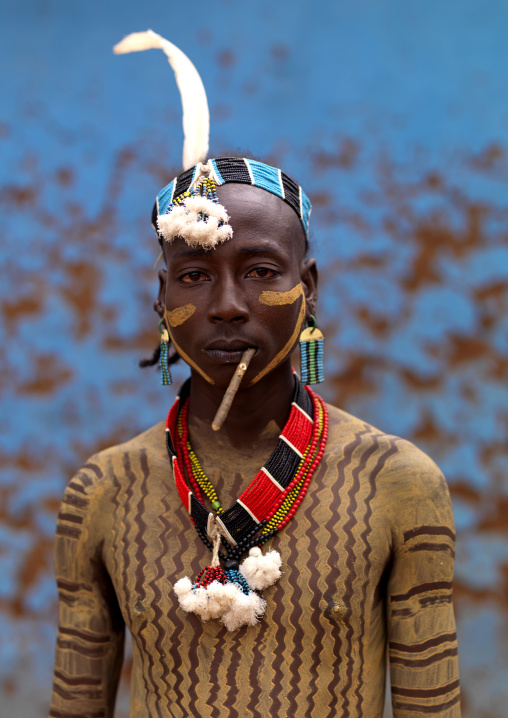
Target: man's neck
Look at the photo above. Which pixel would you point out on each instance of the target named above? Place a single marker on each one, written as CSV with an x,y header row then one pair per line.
x,y
254,408
232,456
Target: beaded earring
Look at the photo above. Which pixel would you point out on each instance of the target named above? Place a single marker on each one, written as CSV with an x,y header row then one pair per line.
x,y
166,379
311,354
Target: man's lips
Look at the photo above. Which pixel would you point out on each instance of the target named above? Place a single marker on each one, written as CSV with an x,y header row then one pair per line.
x,y
226,352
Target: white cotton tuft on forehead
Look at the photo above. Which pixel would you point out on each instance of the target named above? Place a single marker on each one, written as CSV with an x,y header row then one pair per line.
x,y
198,220
196,117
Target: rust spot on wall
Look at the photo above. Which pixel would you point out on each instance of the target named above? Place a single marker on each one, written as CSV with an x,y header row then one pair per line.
x,y
24,521
434,181
226,58
320,199
492,451
497,291
479,596
65,177
378,325
352,381
465,491
52,505
420,383
83,450
205,37
345,156
434,239
23,461
464,349
368,261
16,310
9,687
18,196
37,561
497,520
427,430
430,241
279,52
82,284
121,388
49,374
499,368
488,158
145,340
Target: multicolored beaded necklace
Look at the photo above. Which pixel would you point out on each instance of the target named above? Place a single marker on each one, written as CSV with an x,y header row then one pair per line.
x,y
264,508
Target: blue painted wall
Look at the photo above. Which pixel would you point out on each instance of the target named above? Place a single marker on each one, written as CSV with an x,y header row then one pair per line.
x,y
394,117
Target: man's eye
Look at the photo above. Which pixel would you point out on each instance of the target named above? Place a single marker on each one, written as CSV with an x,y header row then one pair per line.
x,y
262,273
194,277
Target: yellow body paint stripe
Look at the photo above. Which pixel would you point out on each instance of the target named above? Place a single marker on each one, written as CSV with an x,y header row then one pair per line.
x,y
278,298
289,345
187,358
180,315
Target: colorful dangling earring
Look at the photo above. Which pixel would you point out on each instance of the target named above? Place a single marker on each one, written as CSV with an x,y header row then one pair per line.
x,y
166,379
311,354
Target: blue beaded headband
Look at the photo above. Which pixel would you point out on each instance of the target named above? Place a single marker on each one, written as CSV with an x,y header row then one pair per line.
x,y
242,171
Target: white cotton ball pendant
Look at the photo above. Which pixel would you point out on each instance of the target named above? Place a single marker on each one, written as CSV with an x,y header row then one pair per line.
x,y
261,570
225,601
245,611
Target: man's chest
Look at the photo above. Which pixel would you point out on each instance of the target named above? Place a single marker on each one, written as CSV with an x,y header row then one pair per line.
x,y
323,631
334,553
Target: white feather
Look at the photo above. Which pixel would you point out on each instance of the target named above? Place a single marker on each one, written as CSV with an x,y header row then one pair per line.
x,y
196,117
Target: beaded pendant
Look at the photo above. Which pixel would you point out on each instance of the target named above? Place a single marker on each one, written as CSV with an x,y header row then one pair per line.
x,y
311,355
166,379
264,508
221,593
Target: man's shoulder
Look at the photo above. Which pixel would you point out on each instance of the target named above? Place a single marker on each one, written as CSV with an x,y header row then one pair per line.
x,y
120,463
398,461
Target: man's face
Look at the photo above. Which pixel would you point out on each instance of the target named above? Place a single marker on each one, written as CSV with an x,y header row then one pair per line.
x,y
250,291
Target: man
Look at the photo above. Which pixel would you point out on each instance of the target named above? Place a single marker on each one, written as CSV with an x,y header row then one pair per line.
x,y
367,547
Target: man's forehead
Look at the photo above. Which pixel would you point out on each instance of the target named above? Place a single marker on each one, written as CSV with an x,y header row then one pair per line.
x,y
254,202
252,209
241,245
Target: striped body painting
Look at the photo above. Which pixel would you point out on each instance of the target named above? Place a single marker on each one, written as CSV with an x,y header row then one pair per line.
x,y
279,299
168,317
327,620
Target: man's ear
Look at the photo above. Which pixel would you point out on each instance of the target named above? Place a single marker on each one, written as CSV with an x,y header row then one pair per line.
x,y
309,278
160,303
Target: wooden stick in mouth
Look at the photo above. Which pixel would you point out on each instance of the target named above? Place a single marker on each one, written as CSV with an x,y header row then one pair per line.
x,y
225,405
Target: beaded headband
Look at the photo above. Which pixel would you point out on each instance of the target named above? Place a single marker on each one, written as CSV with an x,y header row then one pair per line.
x,y
225,170
188,206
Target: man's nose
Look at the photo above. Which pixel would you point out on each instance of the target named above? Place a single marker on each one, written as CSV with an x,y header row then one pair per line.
x,y
228,303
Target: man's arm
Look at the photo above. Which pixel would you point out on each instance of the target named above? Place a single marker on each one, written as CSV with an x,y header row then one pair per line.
x,y
89,649
421,624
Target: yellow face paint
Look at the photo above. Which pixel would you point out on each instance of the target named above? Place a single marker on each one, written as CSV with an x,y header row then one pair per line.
x,y
178,316
278,298
291,342
185,356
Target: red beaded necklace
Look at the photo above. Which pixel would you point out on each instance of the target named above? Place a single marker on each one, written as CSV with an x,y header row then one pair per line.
x,y
264,508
